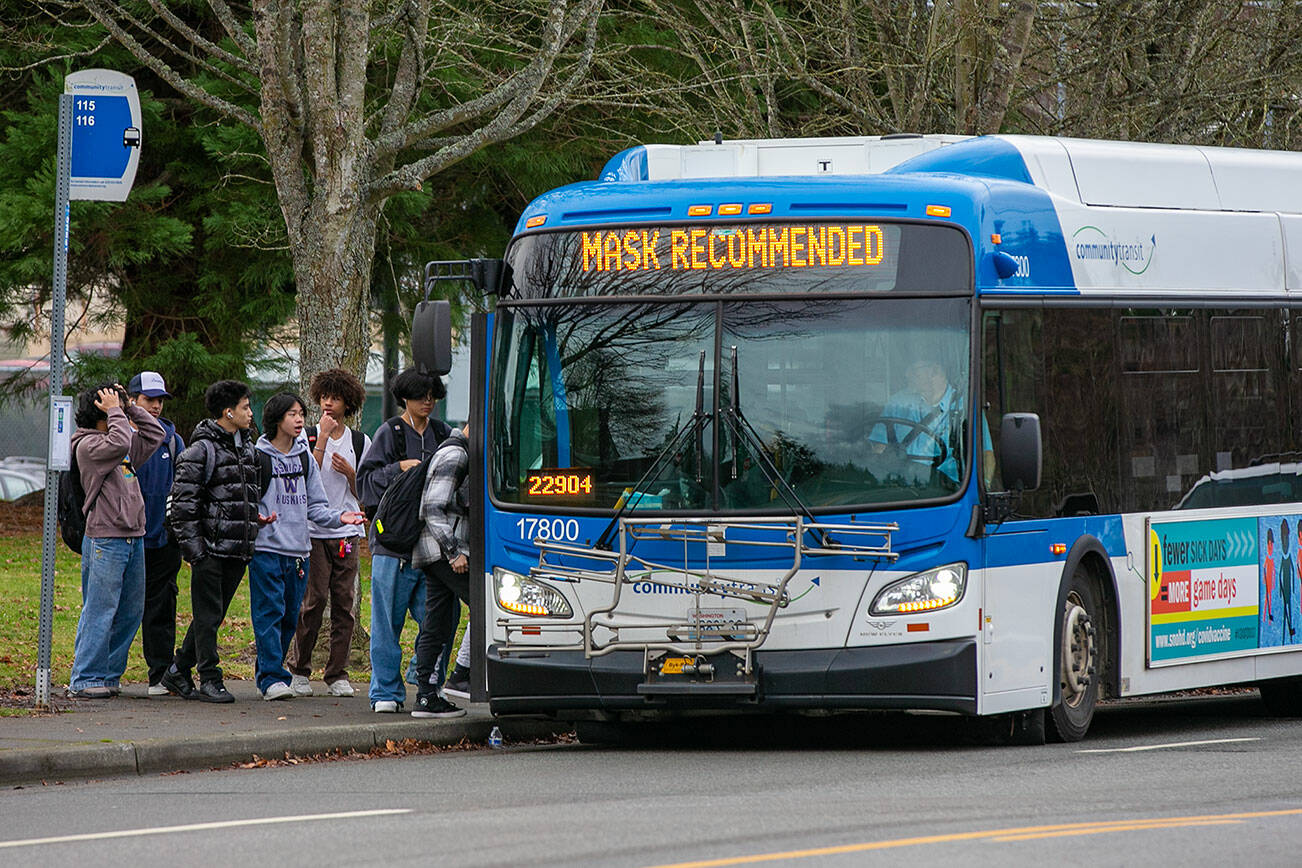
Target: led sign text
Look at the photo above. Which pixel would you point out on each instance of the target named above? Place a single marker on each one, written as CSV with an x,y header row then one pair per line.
x,y
703,248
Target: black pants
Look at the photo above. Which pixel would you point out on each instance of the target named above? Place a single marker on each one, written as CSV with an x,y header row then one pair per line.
x,y
445,590
158,626
212,586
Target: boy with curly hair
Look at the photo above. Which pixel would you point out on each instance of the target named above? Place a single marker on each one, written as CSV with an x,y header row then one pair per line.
x,y
332,565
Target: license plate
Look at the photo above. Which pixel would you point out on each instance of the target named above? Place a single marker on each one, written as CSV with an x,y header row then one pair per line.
x,y
674,665
718,623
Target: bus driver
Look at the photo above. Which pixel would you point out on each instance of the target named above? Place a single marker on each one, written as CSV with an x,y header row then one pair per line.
x,y
935,410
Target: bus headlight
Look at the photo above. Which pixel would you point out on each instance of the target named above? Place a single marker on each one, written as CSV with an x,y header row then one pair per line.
x,y
922,592
521,595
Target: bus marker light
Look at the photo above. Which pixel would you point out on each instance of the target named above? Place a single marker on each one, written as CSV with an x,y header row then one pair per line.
x,y
700,210
535,221
1058,548
733,208
918,628
760,208
531,631
996,238
938,211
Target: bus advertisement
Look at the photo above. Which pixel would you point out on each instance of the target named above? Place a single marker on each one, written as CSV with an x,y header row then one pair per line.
x,y
992,426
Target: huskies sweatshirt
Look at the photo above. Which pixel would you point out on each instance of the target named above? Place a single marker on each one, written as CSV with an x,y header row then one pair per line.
x,y
294,499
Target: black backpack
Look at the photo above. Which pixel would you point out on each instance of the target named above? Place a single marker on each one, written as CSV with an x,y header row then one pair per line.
x,y
73,506
265,473
359,441
397,519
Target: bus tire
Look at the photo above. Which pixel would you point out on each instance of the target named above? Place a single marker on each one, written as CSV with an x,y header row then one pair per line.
x,y
1076,659
1282,696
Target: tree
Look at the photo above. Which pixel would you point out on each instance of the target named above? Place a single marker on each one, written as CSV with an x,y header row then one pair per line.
x,y
354,102
192,266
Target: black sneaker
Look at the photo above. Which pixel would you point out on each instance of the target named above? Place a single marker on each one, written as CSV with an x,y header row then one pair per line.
x,y
213,691
458,683
433,705
178,683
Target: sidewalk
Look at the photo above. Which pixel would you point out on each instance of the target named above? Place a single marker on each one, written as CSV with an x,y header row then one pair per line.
x,y
134,734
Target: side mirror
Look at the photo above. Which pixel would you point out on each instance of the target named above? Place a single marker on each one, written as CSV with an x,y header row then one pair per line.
x,y
431,337
1021,451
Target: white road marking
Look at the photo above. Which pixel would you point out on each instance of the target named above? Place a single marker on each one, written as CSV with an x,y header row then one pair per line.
x,y
199,827
1165,746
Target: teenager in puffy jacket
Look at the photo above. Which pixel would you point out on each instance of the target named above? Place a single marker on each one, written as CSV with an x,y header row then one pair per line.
x,y
214,517
277,577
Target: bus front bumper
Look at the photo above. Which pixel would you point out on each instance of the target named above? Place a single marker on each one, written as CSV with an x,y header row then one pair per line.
x,y
921,676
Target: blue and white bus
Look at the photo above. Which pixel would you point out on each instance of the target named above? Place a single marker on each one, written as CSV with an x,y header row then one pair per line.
x,y
996,426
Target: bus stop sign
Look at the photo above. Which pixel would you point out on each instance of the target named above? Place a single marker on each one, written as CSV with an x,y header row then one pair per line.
x,y
105,134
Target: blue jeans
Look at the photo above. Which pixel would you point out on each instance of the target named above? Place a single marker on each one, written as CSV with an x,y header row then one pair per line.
x,y
112,603
276,587
396,589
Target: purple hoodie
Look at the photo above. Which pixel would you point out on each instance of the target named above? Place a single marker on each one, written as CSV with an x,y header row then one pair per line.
x,y
107,461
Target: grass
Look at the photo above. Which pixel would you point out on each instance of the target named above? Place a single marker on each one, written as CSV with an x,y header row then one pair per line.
x,y
20,600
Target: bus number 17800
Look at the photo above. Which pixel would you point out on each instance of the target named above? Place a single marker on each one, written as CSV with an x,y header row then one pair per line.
x,y
565,530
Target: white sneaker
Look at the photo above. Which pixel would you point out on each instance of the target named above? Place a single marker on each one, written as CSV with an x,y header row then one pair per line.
x,y
340,688
300,685
278,690
385,706
157,690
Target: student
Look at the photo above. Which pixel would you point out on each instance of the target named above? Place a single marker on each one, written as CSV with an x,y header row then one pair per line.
x,y
113,437
214,517
396,587
277,579
332,566
443,553
162,554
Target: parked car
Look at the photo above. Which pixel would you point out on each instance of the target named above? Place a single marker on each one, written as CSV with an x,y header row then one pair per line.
x,y
15,483
24,461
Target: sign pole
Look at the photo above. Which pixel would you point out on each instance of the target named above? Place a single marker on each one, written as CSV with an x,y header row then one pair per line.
x,y
45,639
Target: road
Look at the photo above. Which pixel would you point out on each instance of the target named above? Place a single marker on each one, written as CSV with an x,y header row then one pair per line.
x,y
1199,782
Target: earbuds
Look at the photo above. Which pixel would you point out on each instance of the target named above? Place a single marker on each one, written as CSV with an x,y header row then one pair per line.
x,y
229,415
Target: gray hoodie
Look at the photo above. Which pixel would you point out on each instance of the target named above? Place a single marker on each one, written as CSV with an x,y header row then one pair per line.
x,y
293,499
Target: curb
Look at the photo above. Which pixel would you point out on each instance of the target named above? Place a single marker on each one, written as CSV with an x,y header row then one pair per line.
x,y
153,756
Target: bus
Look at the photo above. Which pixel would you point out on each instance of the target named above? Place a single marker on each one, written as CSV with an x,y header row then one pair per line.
x,y
996,426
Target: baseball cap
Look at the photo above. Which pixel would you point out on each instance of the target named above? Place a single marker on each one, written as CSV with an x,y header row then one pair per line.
x,y
148,383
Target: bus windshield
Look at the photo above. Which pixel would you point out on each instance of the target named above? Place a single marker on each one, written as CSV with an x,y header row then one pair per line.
x,y
853,401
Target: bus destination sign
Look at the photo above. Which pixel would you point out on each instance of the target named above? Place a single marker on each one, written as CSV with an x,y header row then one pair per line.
x,y
734,248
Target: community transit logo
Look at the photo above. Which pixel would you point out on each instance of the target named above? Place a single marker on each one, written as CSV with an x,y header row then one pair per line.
x,y
1092,244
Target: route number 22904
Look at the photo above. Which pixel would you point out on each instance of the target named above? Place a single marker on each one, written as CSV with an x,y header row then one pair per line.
x,y
565,530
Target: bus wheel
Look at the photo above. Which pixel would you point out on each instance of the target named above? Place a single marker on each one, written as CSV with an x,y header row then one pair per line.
x,y
1282,696
1078,658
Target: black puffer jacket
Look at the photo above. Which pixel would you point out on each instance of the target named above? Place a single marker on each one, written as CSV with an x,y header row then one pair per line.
x,y
213,509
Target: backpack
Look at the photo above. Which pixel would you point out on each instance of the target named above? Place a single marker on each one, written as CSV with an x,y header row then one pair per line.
x,y
370,510
359,441
265,473
73,506
397,519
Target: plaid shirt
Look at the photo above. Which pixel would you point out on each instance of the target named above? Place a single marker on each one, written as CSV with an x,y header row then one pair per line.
x,y
443,505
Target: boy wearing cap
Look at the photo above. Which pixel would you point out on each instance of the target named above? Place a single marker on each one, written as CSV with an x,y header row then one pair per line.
x,y
162,555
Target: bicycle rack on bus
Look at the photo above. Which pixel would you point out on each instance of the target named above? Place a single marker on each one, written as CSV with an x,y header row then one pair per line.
x,y
570,562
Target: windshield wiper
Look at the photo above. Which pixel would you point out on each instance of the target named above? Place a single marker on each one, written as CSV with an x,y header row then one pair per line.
x,y
742,429
695,425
